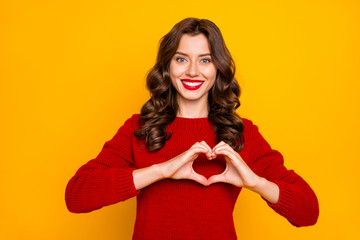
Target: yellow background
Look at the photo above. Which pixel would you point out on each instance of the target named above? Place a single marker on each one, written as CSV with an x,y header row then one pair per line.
x,y
71,72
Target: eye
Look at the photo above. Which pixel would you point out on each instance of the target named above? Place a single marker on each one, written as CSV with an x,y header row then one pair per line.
x,y
180,59
205,60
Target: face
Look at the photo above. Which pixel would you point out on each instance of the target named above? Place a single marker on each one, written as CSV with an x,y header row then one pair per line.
x,y
192,70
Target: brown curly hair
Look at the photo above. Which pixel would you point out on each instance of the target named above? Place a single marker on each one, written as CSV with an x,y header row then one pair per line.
x,y
223,98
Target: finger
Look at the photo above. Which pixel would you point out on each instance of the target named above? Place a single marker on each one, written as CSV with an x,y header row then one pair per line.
x,y
216,178
223,145
203,143
220,144
199,145
194,152
237,162
199,178
226,146
199,149
229,155
208,153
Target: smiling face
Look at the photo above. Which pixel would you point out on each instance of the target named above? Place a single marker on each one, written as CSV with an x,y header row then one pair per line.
x,y
192,70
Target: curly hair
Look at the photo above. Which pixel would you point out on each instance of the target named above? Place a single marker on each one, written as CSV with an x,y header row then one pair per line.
x,y
223,98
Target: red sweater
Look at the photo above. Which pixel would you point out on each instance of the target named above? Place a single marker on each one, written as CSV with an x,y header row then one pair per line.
x,y
185,209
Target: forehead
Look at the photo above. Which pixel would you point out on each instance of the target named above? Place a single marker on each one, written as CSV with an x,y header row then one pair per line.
x,y
194,44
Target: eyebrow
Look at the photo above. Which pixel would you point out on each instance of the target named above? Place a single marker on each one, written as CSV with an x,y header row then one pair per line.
x,y
201,55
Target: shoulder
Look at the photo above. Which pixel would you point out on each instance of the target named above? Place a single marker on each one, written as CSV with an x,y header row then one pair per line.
x,y
246,121
251,131
131,123
136,116
248,125
133,119
253,139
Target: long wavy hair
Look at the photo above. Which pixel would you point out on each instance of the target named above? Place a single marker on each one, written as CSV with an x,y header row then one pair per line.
x,y
223,98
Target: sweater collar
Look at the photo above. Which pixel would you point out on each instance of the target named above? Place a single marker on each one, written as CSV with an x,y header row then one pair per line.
x,y
191,123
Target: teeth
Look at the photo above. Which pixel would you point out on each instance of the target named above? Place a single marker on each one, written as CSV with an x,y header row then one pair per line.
x,y
192,84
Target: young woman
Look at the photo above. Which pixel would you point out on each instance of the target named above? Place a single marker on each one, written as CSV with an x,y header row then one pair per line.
x,y
188,154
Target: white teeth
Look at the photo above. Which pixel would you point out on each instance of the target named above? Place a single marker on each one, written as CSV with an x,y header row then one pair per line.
x,y
192,84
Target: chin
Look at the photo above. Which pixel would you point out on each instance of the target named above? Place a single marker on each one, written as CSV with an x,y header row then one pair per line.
x,y
193,97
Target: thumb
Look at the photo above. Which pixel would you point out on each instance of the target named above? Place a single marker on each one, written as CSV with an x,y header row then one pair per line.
x,y
199,178
216,178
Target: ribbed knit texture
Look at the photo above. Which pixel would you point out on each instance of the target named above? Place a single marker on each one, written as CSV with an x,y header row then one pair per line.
x,y
184,209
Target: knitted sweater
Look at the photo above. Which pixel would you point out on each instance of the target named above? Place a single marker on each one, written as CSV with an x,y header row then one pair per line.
x,y
185,209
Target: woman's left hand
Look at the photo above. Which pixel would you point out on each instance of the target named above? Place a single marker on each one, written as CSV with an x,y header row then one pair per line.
x,y
236,172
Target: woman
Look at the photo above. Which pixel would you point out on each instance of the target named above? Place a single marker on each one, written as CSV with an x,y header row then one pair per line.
x,y
188,154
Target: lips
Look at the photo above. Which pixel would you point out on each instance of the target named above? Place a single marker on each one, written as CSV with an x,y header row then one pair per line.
x,y
191,84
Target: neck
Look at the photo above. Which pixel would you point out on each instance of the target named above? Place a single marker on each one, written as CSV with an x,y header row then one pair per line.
x,y
193,109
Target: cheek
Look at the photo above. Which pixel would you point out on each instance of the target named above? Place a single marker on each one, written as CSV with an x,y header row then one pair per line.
x,y
175,70
210,73
174,75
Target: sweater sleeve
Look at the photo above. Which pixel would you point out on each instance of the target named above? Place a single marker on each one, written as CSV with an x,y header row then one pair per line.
x,y
297,201
108,178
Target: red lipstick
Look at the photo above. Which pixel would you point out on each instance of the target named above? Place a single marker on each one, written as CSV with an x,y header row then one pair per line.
x,y
191,84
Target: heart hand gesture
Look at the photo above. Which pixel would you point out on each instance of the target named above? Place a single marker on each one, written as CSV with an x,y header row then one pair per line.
x,y
181,166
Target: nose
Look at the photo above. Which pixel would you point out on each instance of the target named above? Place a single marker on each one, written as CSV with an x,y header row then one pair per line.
x,y
193,69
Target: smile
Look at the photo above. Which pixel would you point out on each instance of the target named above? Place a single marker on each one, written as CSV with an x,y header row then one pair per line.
x,y
192,84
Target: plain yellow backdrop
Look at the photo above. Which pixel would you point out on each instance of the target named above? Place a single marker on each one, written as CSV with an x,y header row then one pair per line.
x,y
71,72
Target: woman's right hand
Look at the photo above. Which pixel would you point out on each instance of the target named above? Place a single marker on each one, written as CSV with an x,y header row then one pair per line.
x,y
180,167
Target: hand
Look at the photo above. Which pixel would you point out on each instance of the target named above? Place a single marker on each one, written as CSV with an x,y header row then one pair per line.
x,y
180,167
236,172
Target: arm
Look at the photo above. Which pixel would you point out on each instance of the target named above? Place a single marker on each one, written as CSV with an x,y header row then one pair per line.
x,y
297,201
107,179
111,177
261,169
